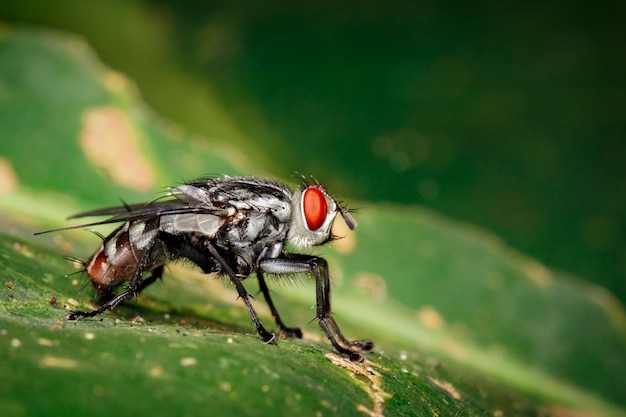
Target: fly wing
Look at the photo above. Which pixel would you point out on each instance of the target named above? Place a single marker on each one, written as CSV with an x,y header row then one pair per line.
x,y
111,211
134,212
137,211
210,201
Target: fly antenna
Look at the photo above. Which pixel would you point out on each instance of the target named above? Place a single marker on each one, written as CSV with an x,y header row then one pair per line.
x,y
347,217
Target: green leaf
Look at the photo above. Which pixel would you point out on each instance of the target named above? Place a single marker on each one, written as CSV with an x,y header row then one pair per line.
x,y
463,324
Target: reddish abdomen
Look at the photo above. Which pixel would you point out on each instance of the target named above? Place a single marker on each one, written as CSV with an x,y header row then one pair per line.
x,y
115,261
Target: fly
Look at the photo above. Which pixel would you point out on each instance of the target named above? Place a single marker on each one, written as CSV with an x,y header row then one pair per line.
x,y
233,226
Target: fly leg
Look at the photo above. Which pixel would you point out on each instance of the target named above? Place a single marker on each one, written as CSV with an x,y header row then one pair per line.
x,y
266,336
157,273
133,288
216,263
319,268
287,331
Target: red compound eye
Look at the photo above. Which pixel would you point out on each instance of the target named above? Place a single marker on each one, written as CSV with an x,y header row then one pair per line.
x,y
314,207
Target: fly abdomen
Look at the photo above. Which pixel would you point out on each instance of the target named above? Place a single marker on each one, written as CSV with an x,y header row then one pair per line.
x,y
118,257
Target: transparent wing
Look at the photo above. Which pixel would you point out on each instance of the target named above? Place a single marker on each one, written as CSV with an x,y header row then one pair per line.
x,y
134,212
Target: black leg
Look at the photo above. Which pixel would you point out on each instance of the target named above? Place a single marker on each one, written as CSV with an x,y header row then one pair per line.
x,y
157,273
133,288
319,268
266,336
216,263
287,331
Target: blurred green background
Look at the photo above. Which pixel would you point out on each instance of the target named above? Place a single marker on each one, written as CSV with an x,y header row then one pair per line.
x,y
509,116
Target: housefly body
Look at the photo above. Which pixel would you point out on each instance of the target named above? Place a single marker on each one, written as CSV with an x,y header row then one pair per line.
x,y
233,226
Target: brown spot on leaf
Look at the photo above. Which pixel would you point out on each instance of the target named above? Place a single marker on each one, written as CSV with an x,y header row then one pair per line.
x,y
8,177
537,273
117,83
558,411
369,379
23,249
110,143
373,284
430,318
156,371
56,362
447,387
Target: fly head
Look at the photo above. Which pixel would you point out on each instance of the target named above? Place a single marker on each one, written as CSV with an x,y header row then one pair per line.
x,y
313,211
